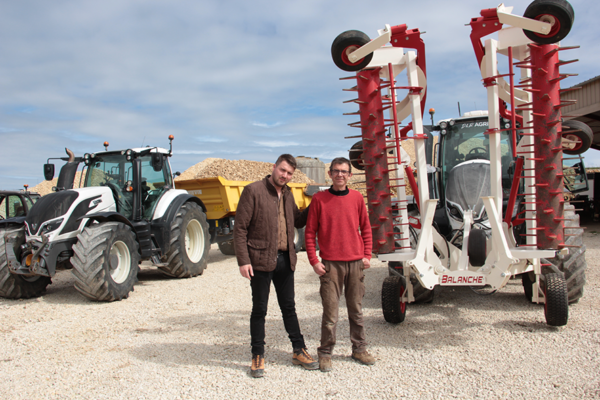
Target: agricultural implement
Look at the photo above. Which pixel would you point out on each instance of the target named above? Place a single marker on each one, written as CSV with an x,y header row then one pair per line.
x,y
524,228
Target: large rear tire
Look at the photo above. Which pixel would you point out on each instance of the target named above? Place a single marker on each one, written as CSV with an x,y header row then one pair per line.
x,y
105,261
573,265
394,310
190,243
17,286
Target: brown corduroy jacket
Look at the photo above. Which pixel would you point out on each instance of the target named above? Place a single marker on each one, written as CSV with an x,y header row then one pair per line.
x,y
255,233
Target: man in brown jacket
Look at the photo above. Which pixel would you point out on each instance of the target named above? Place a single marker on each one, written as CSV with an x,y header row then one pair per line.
x,y
263,237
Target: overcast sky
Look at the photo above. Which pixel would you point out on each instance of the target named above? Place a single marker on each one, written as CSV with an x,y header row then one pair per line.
x,y
229,79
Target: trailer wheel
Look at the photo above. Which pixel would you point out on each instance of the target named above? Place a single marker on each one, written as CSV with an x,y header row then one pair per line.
x,y
190,243
14,286
573,265
477,247
556,308
583,135
345,44
394,310
227,248
559,13
105,261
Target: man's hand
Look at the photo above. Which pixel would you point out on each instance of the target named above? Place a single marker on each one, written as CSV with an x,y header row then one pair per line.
x,y
319,269
246,271
366,262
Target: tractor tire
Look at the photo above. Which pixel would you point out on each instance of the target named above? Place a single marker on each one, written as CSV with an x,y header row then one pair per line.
x,y
583,134
556,307
394,310
190,243
421,294
356,156
14,286
105,261
558,12
346,43
573,265
477,247
298,239
227,248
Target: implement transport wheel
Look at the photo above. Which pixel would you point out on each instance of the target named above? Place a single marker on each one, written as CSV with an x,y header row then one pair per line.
x,y
345,44
558,13
14,286
227,248
394,310
556,308
477,247
105,261
527,279
580,136
190,243
421,294
356,156
573,265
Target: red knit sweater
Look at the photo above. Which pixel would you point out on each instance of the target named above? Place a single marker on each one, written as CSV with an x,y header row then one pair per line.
x,y
336,220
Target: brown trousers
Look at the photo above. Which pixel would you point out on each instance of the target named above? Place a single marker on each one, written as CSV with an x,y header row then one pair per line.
x,y
349,277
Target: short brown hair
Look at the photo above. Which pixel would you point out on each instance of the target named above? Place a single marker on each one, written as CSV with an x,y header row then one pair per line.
x,y
288,158
340,160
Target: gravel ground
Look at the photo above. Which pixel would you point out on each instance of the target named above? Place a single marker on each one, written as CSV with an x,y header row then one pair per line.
x,y
189,339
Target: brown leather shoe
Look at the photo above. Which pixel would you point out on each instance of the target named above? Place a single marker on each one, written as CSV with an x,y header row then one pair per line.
x,y
301,357
257,369
364,358
325,364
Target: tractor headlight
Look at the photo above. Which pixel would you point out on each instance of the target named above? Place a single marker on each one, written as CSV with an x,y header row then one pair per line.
x,y
443,125
50,226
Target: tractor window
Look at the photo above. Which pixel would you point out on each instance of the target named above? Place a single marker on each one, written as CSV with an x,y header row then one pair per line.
x,y
112,170
467,141
3,203
11,206
154,184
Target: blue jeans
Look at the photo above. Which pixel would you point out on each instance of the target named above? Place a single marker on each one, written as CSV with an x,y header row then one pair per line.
x,y
283,280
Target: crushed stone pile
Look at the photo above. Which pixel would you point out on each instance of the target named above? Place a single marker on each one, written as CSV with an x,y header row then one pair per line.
x,y
45,187
236,170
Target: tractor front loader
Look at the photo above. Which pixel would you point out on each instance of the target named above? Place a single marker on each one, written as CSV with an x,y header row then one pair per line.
x,y
501,210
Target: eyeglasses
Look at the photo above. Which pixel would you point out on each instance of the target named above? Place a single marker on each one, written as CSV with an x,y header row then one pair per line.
x,y
339,172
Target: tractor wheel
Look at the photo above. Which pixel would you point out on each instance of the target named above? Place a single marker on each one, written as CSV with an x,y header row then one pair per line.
x,y
559,13
298,239
556,308
190,243
345,44
527,279
227,248
573,265
421,294
105,261
394,310
356,156
14,286
477,247
583,135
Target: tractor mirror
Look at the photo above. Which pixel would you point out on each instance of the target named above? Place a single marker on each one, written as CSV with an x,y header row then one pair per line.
x,y
157,161
49,171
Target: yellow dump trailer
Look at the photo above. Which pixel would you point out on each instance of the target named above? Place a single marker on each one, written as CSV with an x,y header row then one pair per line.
x,y
221,197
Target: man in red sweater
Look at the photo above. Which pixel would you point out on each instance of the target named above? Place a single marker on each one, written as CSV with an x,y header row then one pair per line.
x,y
339,217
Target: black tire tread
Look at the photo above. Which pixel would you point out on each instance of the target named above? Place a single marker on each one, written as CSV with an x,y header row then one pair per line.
x,y
90,268
227,248
390,299
556,308
341,42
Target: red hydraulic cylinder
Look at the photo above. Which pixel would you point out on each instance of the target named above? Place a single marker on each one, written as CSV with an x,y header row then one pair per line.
x,y
375,160
548,147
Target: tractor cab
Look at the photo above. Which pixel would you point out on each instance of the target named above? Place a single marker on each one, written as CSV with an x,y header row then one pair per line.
x,y
137,178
